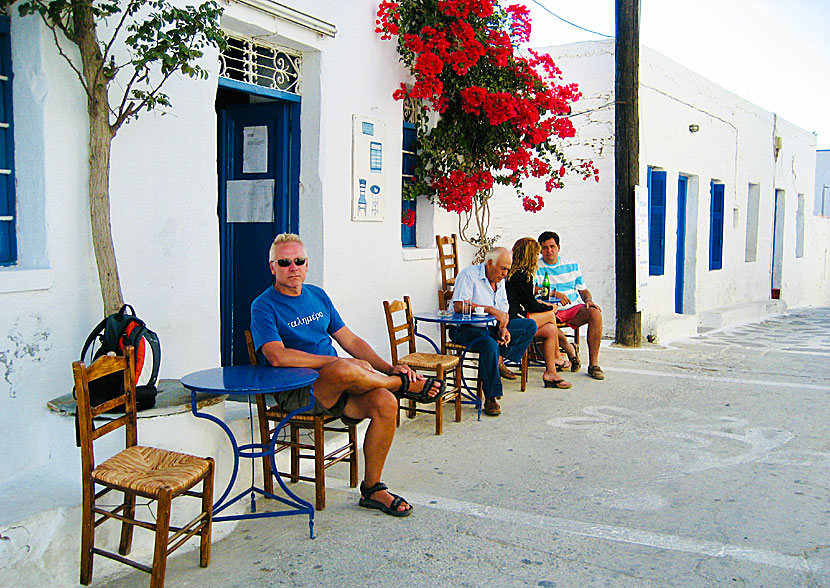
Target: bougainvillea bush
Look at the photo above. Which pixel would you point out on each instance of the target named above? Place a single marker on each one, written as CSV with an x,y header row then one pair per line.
x,y
500,112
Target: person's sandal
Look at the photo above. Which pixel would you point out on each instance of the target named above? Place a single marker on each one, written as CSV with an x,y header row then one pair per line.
x,y
575,363
422,396
561,384
596,372
565,365
392,509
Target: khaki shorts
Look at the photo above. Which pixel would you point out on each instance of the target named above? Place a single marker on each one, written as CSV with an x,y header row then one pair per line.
x,y
291,400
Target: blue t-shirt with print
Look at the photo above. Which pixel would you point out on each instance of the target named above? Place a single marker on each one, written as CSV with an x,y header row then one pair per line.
x,y
305,322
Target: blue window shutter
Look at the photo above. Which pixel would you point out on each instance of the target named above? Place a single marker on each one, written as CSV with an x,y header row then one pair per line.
x,y
409,163
716,227
8,234
656,222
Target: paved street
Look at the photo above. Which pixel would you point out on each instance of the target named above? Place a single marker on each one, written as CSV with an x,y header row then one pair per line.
x,y
703,463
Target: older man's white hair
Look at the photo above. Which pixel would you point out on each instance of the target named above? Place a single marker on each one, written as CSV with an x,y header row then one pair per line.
x,y
493,255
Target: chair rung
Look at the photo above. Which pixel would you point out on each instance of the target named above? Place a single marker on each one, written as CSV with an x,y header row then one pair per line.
x,y
112,515
190,529
122,559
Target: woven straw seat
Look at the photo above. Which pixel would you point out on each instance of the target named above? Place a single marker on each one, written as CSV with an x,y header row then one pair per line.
x,y
148,470
443,366
157,474
429,361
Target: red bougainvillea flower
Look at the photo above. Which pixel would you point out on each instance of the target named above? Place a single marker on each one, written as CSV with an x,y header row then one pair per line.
x,y
533,203
408,218
501,111
471,99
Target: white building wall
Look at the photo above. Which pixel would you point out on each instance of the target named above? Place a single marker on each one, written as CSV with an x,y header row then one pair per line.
x,y
582,213
818,231
734,145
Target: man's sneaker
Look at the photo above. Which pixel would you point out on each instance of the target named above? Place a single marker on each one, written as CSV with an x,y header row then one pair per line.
x,y
596,372
491,407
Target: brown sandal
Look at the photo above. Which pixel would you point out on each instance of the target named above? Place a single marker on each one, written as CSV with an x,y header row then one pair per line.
x,y
575,363
596,372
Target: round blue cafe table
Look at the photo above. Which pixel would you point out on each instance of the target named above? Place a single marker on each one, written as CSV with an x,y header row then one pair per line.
x,y
248,380
458,319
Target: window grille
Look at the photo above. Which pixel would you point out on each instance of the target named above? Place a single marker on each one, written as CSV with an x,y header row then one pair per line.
x,y
263,65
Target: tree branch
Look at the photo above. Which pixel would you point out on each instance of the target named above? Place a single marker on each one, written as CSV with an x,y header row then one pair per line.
x,y
54,28
131,109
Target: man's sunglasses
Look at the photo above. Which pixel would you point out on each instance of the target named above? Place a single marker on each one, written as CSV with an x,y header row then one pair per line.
x,y
298,261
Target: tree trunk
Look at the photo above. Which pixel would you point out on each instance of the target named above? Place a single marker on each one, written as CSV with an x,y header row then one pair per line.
x,y
100,142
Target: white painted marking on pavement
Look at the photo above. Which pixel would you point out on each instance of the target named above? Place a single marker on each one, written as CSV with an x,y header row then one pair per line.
x,y
718,379
609,532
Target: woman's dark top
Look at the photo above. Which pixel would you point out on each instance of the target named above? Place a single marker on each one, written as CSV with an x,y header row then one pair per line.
x,y
520,296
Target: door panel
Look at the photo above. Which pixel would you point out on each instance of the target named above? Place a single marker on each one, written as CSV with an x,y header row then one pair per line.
x,y
258,199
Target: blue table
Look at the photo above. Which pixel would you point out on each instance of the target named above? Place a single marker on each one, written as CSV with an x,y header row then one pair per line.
x,y
457,320
248,380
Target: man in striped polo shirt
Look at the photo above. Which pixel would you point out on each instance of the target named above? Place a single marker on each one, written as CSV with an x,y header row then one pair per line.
x,y
568,287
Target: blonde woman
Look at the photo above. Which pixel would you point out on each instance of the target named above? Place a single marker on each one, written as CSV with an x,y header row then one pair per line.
x,y
523,303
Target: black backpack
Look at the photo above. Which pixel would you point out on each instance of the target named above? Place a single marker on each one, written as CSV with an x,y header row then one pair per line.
x,y
115,332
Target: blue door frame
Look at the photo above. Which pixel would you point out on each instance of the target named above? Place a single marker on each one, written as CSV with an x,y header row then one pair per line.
x,y
244,271
680,256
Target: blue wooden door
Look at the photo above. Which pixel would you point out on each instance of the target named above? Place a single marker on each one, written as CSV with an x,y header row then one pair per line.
x,y
680,256
258,163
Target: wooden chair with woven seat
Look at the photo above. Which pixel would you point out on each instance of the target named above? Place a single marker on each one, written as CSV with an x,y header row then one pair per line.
x,y
401,331
447,260
318,425
156,474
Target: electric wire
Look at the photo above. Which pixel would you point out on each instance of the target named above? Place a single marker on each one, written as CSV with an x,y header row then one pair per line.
x,y
548,10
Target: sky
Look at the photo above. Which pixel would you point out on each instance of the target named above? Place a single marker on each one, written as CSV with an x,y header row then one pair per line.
x,y
774,53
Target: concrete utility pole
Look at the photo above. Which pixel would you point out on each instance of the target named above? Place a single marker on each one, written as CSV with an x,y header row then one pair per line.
x,y
626,166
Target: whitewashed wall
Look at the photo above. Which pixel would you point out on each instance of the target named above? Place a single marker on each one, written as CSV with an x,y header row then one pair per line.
x,y
734,145
582,213
818,233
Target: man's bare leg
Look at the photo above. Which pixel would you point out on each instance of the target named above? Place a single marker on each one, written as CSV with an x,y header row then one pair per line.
x,y
380,407
354,377
369,397
593,318
570,351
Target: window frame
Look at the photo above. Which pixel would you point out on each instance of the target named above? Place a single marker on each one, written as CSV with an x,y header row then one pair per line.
x,y
8,205
656,184
409,235
717,193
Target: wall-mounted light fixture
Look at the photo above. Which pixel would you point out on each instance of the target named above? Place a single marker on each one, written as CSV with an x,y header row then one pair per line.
x,y
694,128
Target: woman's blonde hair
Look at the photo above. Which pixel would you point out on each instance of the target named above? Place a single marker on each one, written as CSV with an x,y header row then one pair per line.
x,y
525,257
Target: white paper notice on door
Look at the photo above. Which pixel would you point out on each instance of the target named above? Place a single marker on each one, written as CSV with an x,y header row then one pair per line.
x,y
250,201
255,150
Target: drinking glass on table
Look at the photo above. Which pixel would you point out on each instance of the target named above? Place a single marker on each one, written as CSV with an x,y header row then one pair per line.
x,y
467,308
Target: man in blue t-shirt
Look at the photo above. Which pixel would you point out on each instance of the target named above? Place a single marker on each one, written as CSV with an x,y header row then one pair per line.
x,y
568,287
293,325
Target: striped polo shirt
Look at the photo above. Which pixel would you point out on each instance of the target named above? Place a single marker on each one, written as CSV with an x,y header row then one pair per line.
x,y
565,277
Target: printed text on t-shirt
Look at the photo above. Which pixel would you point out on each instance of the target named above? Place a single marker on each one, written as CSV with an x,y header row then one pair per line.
x,y
306,319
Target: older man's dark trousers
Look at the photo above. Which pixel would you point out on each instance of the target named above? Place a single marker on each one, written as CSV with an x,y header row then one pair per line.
x,y
521,330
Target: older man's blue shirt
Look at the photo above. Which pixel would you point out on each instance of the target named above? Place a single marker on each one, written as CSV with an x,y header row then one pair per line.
x,y
472,284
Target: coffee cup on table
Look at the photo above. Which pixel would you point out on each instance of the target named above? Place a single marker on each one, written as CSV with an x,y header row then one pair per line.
x,y
479,310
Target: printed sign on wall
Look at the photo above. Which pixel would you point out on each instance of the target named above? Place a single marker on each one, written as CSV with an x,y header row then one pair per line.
x,y
367,169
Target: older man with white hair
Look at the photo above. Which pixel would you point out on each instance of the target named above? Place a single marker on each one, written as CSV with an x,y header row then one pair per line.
x,y
483,285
